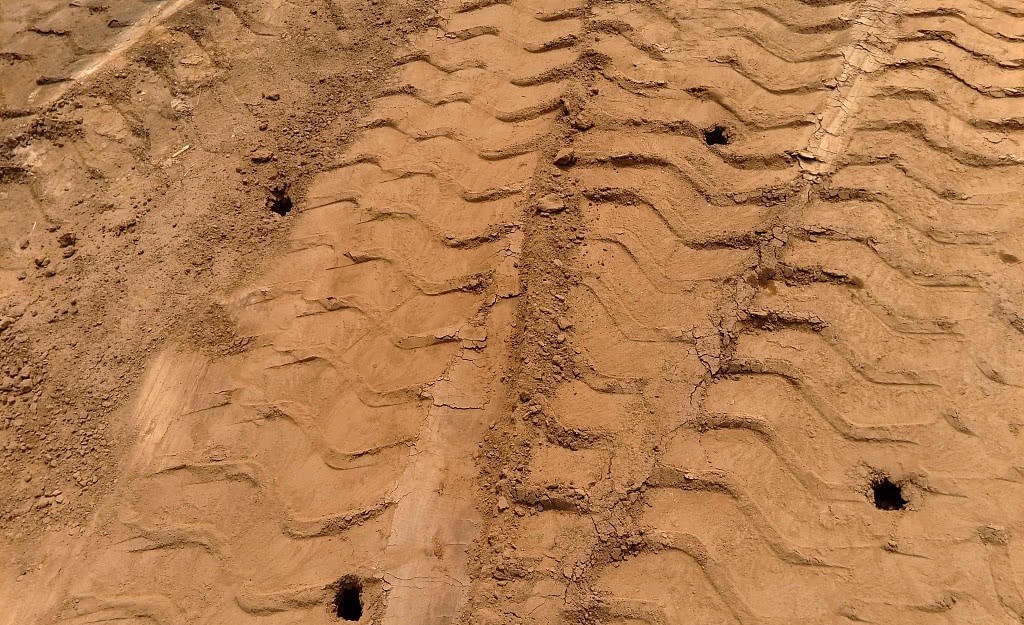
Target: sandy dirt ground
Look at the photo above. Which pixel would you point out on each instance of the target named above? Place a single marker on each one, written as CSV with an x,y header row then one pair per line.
x,y
635,312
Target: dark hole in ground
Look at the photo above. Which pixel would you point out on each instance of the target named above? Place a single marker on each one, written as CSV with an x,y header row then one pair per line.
x,y
719,135
348,602
887,494
279,201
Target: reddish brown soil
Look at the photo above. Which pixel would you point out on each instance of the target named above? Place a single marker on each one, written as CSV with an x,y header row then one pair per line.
x,y
537,311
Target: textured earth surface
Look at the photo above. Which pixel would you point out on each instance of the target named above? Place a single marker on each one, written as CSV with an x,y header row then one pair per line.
x,y
522,311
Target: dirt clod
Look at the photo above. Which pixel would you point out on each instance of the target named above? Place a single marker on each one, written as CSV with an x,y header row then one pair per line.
x,y
261,155
550,204
565,157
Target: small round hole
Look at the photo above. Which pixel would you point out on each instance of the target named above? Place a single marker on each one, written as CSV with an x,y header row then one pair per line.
x,y
279,201
718,135
887,494
348,601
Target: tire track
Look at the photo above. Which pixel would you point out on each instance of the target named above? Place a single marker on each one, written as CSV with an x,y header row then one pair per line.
x,y
873,40
757,267
336,446
758,343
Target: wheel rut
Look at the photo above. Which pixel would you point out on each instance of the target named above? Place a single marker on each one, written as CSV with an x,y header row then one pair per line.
x,y
874,35
714,421
616,312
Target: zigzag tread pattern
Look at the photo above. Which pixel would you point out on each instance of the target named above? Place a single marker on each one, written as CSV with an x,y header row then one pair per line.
x,y
323,450
797,286
793,279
